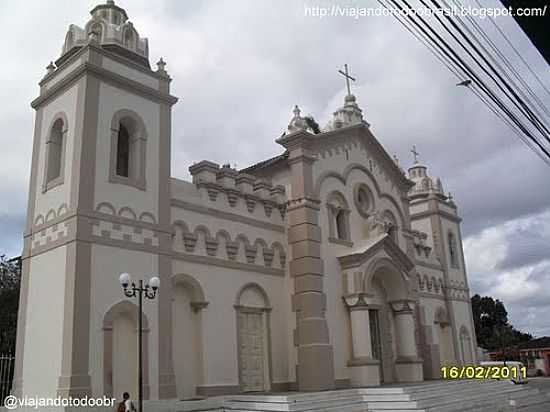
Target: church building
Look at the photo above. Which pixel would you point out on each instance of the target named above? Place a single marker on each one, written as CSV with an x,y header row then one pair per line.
x,y
327,266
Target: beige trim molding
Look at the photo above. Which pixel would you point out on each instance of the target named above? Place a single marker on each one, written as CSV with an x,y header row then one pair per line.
x,y
229,264
182,204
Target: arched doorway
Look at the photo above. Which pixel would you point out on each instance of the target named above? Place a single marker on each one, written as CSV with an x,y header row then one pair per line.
x,y
120,335
391,306
187,304
442,328
253,338
381,330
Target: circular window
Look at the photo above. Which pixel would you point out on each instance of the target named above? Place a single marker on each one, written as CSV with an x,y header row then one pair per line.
x,y
364,201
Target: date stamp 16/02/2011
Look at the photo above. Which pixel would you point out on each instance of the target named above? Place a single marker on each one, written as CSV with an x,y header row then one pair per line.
x,y
483,372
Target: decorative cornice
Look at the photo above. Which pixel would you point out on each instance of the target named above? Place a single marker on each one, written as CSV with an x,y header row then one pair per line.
x,y
192,207
428,213
105,75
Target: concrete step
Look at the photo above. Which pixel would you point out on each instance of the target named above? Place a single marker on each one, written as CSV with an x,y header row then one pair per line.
x,y
292,397
478,387
356,407
421,387
330,400
449,403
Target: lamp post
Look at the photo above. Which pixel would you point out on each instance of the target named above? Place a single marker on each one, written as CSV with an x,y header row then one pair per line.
x,y
149,291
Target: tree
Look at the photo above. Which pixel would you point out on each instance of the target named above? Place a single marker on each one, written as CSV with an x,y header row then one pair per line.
x,y
493,330
312,124
10,279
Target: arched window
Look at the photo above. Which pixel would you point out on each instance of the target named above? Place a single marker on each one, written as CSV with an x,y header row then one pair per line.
x,y
123,152
341,225
391,225
338,216
453,252
55,146
128,149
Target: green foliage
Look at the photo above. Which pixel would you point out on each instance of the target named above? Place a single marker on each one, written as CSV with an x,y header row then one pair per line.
x,y
493,330
10,277
312,124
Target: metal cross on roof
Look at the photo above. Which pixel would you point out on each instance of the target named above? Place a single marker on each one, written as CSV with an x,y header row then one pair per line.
x,y
415,154
346,74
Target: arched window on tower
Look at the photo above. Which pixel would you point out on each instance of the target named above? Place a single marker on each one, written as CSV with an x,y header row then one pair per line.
x,y
128,149
453,251
55,146
123,153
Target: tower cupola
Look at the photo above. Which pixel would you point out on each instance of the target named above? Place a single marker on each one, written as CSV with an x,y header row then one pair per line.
x,y
110,27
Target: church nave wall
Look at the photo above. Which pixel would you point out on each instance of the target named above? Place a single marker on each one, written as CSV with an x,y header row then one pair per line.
x,y
219,323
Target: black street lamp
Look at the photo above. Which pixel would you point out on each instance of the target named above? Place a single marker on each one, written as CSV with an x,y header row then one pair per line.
x,y
149,290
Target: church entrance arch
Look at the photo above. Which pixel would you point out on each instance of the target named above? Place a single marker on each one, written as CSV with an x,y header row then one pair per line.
x,y
253,338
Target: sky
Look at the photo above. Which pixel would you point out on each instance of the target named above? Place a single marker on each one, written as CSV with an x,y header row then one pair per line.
x,y
240,66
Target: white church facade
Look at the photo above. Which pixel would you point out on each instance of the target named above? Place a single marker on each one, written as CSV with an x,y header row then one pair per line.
x,y
325,267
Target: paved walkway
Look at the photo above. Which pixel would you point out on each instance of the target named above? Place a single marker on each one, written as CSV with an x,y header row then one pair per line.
x,y
541,383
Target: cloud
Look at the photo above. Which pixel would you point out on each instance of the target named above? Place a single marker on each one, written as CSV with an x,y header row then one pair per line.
x,y
511,262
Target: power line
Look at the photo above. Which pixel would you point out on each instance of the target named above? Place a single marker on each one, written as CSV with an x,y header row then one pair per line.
x,y
503,86
516,51
504,59
451,58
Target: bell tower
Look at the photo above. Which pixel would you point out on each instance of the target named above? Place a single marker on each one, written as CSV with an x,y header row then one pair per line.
x,y
98,205
436,214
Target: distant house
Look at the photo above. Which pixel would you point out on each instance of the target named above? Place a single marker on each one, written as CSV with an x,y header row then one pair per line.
x,y
535,354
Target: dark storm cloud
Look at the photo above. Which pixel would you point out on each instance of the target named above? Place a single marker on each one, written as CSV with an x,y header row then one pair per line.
x,y
529,246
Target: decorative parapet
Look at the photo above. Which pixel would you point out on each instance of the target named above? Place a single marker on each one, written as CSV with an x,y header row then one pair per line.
x,y
221,245
238,186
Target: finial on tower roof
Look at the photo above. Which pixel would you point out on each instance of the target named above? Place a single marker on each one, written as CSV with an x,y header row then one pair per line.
x,y
297,122
50,68
111,2
161,65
